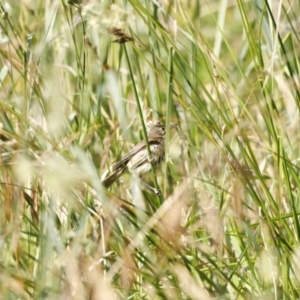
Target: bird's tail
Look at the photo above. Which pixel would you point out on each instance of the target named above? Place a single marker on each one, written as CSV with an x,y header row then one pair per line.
x,y
108,178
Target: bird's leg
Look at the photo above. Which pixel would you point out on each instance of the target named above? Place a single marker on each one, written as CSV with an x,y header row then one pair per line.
x,y
138,181
157,192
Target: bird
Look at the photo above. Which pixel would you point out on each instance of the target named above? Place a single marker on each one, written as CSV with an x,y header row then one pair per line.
x,y
137,161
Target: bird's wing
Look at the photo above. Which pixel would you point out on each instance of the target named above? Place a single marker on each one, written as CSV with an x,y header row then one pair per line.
x,y
139,152
126,158
141,157
118,169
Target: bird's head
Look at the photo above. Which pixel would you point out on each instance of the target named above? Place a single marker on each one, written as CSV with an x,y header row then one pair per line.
x,y
159,130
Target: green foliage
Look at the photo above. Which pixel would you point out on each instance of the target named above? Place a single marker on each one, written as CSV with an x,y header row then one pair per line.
x,y
76,78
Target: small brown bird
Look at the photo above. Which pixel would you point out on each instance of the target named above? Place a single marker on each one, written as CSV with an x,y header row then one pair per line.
x,y
137,160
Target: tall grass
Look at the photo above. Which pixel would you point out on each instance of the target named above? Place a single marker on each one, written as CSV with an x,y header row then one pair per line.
x,y
80,81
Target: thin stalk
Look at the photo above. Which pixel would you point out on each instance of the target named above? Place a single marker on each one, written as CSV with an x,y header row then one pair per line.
x,y
142,119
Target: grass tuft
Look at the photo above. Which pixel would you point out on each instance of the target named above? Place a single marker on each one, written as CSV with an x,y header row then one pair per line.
x,y
80,81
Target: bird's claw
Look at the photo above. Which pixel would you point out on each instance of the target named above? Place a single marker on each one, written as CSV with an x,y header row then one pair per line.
x,y
157,192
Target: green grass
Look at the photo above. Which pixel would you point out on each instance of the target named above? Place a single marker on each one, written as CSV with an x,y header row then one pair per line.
x,y
73,101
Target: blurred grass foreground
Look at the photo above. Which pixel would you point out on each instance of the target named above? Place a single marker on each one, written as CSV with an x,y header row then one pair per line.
x,y
79,81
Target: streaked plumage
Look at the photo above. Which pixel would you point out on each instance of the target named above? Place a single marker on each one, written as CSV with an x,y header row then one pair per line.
x,y
137,160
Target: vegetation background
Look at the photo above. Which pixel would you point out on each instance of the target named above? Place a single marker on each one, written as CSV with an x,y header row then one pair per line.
x,y
76,78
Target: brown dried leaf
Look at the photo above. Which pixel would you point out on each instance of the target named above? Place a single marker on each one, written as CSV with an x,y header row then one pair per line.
x,y
122,37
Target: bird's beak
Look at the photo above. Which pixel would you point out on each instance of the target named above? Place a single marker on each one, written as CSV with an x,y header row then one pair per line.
x,y
173,126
